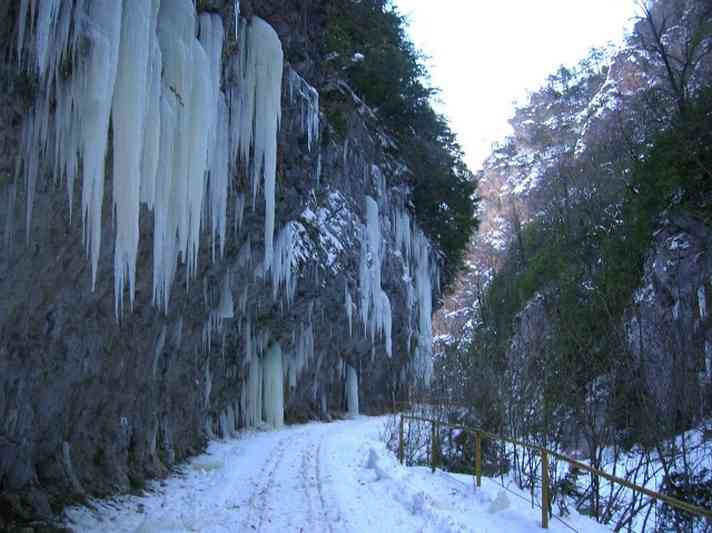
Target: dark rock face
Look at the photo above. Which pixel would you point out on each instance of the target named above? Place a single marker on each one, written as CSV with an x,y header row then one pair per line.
x,y
669,325
90,406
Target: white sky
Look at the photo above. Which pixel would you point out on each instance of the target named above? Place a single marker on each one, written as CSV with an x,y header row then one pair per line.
x,y
485,54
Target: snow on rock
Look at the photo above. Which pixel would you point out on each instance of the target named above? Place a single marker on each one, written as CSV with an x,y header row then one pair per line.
x,y
332,224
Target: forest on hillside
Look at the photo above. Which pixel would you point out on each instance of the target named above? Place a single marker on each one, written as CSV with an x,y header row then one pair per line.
x,y
583,321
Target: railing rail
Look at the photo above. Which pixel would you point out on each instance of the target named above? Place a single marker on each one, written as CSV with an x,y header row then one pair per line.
x,y
544,454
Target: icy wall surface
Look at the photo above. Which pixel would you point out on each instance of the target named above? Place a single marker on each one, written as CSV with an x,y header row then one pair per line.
x,y
188,246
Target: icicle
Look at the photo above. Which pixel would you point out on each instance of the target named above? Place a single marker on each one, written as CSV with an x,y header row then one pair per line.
x,y
348,303
375,305
165,221
237,18
274,387
253,402
403,234
212,36
352,390
308,101
98,79
384,320
176,36
317,170
219,177
284,262
152,134
261,65
131,94
202,108
226,309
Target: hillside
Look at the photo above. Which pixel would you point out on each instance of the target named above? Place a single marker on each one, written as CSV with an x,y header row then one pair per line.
x,y
582,319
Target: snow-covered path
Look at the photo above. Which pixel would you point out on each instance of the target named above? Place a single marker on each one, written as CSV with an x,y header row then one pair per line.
x,y
336,477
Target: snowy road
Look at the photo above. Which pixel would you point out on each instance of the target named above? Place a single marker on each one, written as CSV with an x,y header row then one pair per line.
x,y
335,477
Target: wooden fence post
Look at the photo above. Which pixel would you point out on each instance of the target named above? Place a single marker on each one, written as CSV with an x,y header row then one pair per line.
x,y
544,489
401,447
478,458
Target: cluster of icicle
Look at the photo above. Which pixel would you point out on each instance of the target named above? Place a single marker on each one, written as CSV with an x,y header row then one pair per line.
x,y
307,98
151,72
420,267
420,275
144,81
375,305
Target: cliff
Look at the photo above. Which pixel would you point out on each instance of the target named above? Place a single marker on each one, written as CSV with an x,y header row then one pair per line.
x,y
142,325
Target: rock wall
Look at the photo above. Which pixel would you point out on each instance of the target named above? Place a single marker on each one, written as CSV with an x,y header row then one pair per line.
x,y
90,405
669,326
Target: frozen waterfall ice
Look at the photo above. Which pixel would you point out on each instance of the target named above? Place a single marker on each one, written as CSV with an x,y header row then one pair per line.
x,y
150,80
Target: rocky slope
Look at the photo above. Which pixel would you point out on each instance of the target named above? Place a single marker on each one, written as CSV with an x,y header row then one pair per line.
x,y
572,144
91,405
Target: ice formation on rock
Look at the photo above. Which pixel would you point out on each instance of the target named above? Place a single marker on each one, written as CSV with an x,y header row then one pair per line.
x,y
349,305
128,113
251,404
175,136
307,98
273,386
352,390
375,304
255,124
283,263
152,71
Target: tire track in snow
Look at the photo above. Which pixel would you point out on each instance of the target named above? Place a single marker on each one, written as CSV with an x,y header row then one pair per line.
x,y
305,467
313,486
293,471
257,501
320,487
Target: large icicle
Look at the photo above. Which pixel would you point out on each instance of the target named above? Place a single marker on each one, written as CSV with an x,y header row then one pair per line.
x,y
98,79
131,94
253,401
349,305
352,390
165,224
176,36
202,108
273,386
212,35
176,29
261,65
375,305
152,133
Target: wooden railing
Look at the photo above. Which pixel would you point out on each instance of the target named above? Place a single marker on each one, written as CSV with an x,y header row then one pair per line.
x,y
544,454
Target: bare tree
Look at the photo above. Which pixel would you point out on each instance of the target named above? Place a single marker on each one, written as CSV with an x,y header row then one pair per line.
x,y
678,34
